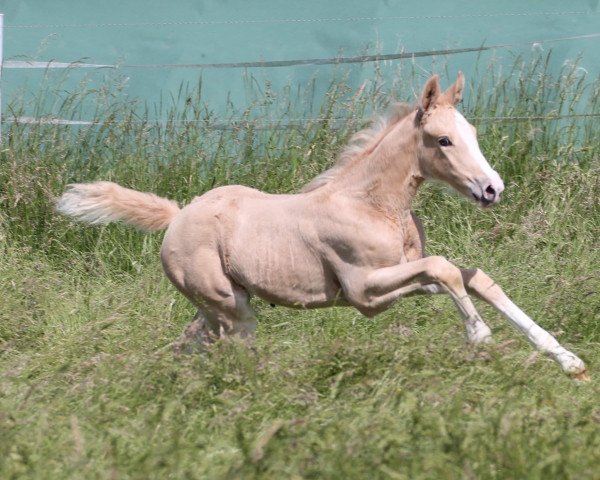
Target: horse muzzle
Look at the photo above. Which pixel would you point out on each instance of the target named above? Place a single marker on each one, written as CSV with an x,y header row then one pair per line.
x,y
486,191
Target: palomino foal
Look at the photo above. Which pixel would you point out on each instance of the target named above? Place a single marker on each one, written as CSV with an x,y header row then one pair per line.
x,y
349,238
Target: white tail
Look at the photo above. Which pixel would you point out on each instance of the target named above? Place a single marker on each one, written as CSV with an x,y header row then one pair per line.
x,y
104,202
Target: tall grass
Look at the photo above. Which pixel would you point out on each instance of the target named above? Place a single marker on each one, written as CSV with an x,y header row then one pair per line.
x,y
89,388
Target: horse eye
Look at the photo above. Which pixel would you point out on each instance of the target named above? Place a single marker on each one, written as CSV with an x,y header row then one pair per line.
x,y
444,141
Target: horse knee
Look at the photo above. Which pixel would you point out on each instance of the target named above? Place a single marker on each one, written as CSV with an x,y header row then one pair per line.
x,y
441,270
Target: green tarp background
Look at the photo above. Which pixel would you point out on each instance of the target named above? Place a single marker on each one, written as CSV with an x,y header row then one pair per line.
x,y
163,36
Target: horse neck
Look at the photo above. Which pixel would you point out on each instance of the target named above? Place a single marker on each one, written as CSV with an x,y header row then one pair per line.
x,y
387,175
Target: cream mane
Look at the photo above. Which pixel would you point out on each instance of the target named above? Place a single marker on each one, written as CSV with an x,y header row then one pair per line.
x,y
360,143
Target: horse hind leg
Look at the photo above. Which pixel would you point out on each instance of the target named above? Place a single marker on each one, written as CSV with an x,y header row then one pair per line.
x,y
232,316
196,336
223,306
224,313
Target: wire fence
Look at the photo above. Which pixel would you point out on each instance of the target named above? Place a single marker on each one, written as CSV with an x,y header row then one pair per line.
x,y
261,124
290,123
338,60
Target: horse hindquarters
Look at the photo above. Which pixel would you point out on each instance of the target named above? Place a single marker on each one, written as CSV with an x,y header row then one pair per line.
x,y
192,259
223,307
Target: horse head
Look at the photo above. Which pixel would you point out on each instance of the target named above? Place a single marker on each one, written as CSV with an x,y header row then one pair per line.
x,y
449,150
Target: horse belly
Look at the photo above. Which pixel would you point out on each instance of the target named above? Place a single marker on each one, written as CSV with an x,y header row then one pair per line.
x,y
290,277
272,259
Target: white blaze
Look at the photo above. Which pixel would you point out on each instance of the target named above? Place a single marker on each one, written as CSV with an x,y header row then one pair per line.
x,y
468,137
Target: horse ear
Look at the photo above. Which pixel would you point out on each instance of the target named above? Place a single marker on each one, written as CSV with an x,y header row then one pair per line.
x,y
455,91
431,92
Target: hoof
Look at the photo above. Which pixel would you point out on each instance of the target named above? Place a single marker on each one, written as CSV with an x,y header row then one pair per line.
x,y
582,376
480,334
571,364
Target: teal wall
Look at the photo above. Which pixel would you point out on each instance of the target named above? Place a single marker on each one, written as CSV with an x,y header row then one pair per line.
x,y
216,31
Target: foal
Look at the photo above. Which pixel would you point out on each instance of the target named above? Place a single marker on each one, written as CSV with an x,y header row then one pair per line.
x,y
349,238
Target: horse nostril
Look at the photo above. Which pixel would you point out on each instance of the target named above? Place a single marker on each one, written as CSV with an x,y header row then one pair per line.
x,y
490,191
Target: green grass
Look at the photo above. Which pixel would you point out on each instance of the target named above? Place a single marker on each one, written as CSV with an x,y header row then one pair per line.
x,y
89,387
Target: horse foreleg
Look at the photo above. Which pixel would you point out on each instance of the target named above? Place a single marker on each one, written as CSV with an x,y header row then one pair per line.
x,y
383,286
480,284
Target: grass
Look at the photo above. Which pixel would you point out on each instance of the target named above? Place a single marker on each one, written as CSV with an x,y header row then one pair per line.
x,y
90,389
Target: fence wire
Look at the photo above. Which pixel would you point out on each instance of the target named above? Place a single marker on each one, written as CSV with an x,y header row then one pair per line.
x,y
261,124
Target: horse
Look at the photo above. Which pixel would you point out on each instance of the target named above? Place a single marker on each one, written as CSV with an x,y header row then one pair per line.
x,y
349,237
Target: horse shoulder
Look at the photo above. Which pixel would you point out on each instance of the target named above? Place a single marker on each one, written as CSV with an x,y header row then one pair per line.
x,y
354,234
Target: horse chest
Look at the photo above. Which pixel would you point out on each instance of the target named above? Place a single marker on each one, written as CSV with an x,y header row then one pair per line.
x,y
413,238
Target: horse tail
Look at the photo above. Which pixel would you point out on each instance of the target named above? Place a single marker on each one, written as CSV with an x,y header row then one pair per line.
x,y
105,202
